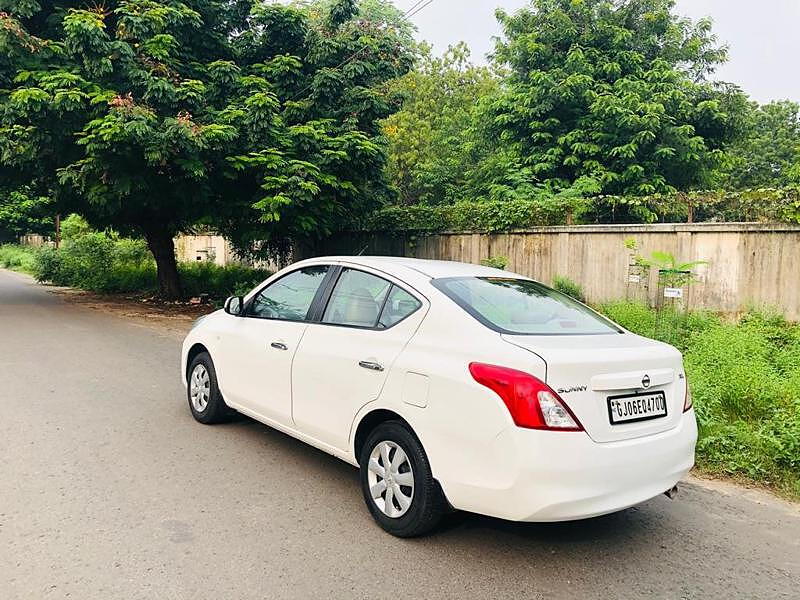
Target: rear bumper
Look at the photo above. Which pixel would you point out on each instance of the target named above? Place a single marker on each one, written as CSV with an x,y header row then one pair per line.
x,y
558,476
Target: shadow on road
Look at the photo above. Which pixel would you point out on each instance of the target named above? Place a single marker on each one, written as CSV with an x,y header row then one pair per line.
x,y
319,465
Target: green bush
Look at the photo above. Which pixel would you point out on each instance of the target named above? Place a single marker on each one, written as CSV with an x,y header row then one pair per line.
x,y
98,262
496,262
104,262
565,285
767,205
73,227
464,216
219,282
17,258
634,316
673,327
47,265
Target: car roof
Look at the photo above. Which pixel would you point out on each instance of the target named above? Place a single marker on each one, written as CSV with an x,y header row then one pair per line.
x,y
433,269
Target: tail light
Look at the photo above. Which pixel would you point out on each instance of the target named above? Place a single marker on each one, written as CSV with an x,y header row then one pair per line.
x,y
531,402
687,401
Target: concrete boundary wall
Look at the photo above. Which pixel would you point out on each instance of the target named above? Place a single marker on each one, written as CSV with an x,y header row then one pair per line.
x,y
748,263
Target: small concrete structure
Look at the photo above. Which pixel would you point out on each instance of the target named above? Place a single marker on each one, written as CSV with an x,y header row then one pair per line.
x,y
214,248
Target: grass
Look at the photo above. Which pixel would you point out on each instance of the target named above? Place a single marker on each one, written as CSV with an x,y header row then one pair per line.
x,y
17,258
745,382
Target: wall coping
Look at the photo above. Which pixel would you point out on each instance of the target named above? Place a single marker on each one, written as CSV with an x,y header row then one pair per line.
x,y
636,228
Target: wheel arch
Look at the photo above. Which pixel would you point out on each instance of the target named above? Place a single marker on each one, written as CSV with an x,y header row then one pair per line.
x,y
370,421
196,348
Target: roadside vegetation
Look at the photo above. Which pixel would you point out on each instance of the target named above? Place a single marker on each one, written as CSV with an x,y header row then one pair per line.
x,y
745,381
108,263
17,258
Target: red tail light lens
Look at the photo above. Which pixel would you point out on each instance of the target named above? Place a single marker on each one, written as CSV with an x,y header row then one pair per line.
x,y
531,402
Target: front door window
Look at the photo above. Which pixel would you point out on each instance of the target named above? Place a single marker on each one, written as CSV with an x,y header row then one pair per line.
x,y
289,298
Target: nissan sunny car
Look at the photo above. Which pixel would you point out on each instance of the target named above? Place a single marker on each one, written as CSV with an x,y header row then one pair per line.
x,y
450,386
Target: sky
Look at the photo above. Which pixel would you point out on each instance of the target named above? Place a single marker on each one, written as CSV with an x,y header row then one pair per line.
x,y
762,35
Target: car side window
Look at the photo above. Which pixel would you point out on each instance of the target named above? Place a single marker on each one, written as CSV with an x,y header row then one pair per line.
x,y
356,300
399,305
290,298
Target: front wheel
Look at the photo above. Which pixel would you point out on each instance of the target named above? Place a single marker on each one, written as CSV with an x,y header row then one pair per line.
x,y
205,399
397,482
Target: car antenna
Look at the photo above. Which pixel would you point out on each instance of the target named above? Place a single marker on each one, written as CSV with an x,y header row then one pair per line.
x,y
364,249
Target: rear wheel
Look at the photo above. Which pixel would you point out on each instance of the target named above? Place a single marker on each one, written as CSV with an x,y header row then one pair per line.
x,y
397,482
205,399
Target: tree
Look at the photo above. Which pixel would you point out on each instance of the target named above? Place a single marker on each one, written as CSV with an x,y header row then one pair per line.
x,y
22,211
769,154
433,141
260,119
611,96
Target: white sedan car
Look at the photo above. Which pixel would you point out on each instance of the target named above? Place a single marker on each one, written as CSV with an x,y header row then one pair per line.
x,y
451,386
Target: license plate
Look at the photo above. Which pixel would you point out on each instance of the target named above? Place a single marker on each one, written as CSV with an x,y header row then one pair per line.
x,y
636,407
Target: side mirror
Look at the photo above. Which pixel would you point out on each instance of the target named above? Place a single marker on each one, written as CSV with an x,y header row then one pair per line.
x,y
234,306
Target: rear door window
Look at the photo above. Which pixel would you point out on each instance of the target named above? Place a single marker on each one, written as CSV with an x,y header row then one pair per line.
x,y
399,305
357,300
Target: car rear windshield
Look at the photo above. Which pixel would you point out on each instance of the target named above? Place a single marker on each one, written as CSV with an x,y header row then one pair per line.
x,y
523,307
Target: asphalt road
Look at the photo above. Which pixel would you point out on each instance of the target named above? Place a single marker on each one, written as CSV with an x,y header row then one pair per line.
x,y
109,489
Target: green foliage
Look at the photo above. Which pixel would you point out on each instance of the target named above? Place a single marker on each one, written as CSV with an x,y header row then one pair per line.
x,y
17,258
671,272
496,262
463,216
751,205
74,226
258,118
641,319
220,282
433,144
107,263
552,209
768,155
600,97
565,285
745,381
91,262
22,211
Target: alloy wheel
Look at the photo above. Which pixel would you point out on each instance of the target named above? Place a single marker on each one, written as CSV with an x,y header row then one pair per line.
x,y
200,388
391,479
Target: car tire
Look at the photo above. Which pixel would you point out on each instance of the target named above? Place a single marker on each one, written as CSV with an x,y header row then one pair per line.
x,y
414,509
205,400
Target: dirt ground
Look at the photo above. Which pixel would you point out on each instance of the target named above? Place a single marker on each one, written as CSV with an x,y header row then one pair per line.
x,y
175,317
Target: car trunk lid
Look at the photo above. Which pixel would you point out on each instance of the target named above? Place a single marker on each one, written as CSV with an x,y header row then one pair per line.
x,y
587,370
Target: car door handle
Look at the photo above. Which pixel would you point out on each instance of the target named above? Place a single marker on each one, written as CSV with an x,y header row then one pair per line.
x,y
279,346
372,366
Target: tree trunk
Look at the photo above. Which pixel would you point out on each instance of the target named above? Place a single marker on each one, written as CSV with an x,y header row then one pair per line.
x,y
161,245
689,207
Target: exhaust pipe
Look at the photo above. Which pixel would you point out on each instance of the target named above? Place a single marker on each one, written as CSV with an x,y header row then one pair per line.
x,y
672,492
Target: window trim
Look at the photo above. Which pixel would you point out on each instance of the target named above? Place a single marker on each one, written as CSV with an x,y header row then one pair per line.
x,y
321,290
471,311
329,294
